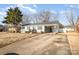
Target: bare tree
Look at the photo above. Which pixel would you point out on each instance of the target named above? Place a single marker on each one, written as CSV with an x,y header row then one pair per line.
x,y
47,16
35,18
77,24
32,18
40,17
71,17
25,19
77,21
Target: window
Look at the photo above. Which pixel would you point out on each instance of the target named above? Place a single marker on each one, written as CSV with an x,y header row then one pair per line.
x,y
39,27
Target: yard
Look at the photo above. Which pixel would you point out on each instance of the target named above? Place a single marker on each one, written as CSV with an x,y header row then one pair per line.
x,y
8,38
36,44
73,39
47,44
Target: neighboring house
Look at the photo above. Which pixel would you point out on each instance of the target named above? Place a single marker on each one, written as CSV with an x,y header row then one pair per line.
x,y
60,30
40,27
5,28
77,26
1,28
68,29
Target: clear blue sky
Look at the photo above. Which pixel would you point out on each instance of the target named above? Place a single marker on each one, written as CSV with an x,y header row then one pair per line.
x,y
34,8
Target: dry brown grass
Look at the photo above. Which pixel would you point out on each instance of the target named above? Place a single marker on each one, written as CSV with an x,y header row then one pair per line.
x,y
73,38
8,38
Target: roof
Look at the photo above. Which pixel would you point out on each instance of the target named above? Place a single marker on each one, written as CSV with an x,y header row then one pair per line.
x,y
54,22
39,24
68,26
